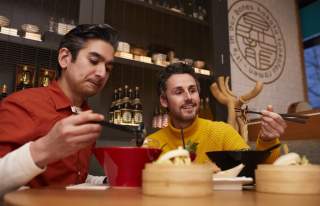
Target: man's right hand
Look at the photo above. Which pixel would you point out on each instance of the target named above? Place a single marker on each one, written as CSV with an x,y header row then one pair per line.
x,y
66,137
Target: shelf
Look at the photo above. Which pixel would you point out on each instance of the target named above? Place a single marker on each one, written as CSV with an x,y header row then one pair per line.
x,y
155,67
167,11
51,42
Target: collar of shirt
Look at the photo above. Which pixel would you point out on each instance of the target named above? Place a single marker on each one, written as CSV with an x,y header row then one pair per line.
x,y
60,100
186,131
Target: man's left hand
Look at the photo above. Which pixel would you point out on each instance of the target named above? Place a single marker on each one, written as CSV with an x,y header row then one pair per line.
x,y
272,125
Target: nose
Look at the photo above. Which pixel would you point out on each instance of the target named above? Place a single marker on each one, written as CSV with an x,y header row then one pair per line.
x,y
101,71
187,95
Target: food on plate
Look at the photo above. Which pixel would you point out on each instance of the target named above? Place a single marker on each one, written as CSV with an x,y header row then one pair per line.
x,y
291,159
176,157
233,172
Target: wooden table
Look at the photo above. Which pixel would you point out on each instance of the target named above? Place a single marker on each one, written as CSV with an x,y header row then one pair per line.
x,y
114,197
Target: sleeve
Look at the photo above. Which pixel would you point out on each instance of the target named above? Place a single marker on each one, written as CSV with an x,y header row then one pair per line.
x,y
17,168
232,139
16,124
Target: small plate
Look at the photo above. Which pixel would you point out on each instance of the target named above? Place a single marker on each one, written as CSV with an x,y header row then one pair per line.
x,y
233,183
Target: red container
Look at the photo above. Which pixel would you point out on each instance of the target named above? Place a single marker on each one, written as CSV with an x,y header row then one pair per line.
x,y
124,165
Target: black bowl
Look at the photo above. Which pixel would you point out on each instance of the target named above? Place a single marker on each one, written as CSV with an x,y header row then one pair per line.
x,y
229,159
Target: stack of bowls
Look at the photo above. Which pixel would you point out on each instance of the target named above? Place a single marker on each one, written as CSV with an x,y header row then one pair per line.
x,y
123,47
159,58
4,21
30,28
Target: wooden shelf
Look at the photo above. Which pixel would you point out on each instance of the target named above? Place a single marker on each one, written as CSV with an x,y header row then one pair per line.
x,y
155,67
167,11
51,42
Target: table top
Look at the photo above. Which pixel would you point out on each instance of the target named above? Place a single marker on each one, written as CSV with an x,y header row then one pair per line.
x,y
114,197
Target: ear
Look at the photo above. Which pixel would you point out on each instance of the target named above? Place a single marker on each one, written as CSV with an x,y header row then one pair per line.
x,y
64,58
163,101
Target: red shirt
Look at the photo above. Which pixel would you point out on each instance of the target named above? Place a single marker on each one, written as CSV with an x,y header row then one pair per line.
x,y
30,114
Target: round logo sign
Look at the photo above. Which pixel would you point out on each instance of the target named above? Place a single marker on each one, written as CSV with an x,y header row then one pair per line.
x,y
257,45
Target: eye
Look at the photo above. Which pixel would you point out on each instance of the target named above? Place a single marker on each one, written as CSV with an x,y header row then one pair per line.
x,y
94,61
193,90
177,92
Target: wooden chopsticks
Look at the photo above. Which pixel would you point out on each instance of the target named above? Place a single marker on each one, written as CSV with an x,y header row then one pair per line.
x,y
289,117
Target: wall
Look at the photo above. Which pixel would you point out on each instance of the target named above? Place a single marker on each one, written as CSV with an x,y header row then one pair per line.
x,y
308,14
265,44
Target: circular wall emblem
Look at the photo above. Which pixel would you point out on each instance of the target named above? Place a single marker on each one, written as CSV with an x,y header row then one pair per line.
x,y
257,45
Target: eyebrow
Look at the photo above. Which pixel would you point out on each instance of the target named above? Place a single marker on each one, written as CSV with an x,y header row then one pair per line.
x,y
189,87
95,54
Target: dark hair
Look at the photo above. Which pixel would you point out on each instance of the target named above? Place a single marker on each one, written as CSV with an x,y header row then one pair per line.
x,y
177,68
77,37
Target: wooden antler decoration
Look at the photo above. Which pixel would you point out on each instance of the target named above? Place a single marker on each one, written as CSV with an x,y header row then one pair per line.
x,y
224,95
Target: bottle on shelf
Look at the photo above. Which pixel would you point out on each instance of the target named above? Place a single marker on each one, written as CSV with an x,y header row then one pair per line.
x,y
201,108
126,115
159,119
51,26
25,79
137,115
45,79
131,98
155,116
112,106
165,118
118,106
207,109
3,91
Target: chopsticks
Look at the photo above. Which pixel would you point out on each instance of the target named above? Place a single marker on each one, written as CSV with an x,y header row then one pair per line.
x,y
289,117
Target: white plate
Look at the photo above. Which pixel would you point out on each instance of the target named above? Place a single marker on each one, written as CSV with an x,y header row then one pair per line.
x,y
233,183
87,186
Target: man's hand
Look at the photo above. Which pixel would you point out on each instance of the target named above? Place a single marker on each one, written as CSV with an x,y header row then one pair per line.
x,y
272,125
66,137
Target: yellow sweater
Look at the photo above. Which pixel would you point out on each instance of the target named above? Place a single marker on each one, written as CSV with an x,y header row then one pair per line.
x,y
211,136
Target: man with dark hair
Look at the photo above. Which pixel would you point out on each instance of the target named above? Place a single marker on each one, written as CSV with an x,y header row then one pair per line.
x,y
42,143
179,93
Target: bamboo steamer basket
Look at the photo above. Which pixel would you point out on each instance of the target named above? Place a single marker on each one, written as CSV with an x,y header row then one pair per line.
x,y
177,180
292,179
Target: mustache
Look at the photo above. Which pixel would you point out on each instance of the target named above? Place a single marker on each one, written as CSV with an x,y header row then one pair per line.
x,y
189,103
96,81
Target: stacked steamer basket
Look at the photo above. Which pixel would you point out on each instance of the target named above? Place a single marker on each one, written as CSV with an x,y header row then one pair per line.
x,y
170,180
288,179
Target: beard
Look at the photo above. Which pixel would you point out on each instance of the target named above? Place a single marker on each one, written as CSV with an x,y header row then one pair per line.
x,y
185,113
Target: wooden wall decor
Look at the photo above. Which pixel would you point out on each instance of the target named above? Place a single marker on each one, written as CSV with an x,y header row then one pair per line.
x,y
221,91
